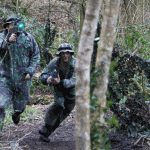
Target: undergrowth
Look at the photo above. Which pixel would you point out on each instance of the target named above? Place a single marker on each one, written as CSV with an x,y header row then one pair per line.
x,y
28,115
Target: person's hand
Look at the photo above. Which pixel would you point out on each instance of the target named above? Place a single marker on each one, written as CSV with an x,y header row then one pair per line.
x,y
56,80
53,81
49,79
27,77
13,38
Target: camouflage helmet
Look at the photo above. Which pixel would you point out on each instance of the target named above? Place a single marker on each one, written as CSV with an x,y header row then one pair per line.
x,y
10,20
65,47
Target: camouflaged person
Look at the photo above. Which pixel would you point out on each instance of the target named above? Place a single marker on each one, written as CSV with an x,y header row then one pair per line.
x,y
64,89
20,57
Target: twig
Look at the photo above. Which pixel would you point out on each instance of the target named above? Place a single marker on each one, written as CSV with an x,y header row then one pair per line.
x,y
139,87
9,135
9,147
24,136
143,140
138,140
144,137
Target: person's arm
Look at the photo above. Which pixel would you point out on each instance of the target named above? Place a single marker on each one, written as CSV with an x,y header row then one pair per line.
x,y
47,71
70,83
3,44
34,57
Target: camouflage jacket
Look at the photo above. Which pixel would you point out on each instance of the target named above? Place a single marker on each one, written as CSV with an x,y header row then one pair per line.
x,y
66,88
20,58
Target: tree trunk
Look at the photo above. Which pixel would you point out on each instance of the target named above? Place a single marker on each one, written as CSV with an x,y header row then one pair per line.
x,y
103,60
83,75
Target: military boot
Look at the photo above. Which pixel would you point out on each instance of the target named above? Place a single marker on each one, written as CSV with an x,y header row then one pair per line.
x,y
45,130
16,118
44,138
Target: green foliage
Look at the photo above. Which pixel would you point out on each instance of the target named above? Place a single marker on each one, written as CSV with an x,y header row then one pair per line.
x,y
16,6
35,82
137,38
93,77
126,80
100,138
114,122
129,82
112,66
99,132
28,114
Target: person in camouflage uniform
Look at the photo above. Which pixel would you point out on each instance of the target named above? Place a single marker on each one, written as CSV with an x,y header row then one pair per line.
x,y
20,57
64,89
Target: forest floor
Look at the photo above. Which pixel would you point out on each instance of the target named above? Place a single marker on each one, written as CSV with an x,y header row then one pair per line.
x,y
25,135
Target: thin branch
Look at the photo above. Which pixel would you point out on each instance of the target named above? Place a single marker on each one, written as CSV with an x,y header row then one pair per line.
x,y
24,136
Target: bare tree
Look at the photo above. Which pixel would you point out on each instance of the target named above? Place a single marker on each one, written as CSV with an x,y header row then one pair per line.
x,y
83,75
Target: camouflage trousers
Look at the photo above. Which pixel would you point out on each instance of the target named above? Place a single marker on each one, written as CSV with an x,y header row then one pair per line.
x,y
16,92
58,111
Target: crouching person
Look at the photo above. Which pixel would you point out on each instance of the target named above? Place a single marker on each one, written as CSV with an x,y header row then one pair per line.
x,y
59,73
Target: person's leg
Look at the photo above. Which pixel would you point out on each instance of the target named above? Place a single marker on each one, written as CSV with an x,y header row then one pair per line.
x,y
52,116
63,115
51,124
20,98
5,98
69,106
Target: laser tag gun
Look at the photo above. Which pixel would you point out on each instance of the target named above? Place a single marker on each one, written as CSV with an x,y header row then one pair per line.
x,y
54,75
18,27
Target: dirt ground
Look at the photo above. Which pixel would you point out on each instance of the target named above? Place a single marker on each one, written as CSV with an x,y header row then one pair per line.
x,y
26,137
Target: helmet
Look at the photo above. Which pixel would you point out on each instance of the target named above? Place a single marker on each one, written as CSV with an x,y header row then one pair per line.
x,y
10,20
65,47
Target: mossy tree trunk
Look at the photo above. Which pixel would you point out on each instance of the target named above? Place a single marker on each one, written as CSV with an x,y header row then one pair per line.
x,y
82,71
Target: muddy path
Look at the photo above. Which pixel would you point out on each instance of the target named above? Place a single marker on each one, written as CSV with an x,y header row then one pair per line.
x,y
25,135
